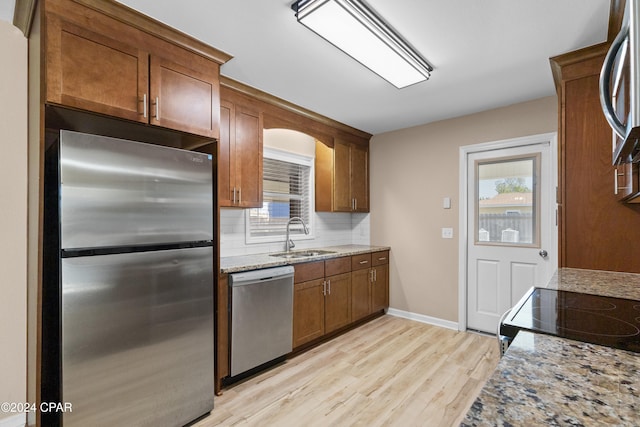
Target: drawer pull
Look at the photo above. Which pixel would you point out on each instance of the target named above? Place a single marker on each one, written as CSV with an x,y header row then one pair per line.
x,y
364,262
384,258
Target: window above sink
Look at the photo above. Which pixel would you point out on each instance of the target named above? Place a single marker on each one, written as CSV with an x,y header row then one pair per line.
x,y
288,193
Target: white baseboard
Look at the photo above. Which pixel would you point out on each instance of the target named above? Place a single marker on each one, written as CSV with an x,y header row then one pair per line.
x,y
17,420
423,319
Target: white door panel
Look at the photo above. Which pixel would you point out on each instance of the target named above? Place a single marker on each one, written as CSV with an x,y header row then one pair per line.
x,y
487,286
523,277
510,219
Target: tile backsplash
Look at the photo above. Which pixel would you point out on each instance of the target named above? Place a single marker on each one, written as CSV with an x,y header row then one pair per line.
x,y
331,229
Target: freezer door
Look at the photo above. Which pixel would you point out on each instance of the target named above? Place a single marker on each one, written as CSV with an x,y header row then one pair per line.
x,y
115,192
137,338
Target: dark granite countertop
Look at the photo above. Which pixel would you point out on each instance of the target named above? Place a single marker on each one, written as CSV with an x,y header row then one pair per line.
x,y
550,381
596,282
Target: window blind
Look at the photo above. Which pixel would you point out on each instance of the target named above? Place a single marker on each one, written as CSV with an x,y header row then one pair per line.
x,y
286,194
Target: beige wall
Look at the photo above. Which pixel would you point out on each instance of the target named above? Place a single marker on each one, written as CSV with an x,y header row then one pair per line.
x,y
13,216
412,170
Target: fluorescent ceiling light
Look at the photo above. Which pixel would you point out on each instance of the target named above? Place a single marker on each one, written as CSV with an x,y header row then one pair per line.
x,y
355,29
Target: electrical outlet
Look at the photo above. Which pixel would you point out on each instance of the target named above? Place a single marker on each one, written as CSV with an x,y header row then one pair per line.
x,y
447,233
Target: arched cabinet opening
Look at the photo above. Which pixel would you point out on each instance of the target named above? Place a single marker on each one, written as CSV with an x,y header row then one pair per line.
x,y
341,180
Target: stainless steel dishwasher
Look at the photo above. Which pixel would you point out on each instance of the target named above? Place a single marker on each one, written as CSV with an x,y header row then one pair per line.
x,y
261,317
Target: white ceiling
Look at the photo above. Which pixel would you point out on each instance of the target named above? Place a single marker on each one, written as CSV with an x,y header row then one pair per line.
x,y
486,54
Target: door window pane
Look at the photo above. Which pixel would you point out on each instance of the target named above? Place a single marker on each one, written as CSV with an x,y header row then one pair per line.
x,y
507,201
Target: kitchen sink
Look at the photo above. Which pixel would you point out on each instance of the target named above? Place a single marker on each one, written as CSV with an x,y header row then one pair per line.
x,y
302,254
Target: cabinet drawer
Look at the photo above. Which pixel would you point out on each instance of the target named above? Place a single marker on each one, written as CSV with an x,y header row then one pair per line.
x,y
359,262
308,271
337,266
380,258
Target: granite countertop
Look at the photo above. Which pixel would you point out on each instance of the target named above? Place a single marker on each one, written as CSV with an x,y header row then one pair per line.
x,y
550,381
547,380
606,283
235,264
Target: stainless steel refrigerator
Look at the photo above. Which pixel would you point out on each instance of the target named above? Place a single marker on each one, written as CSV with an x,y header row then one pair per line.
x,y
127,329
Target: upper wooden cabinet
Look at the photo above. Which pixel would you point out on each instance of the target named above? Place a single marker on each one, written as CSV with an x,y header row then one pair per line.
x,y
184,98
342,177
97,63
596,231
360,177
342,152
240,159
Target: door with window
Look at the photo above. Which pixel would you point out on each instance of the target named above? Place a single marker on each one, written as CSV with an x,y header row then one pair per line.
x,y
511,226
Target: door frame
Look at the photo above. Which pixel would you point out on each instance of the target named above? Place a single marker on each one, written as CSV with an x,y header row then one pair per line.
x,y
463,236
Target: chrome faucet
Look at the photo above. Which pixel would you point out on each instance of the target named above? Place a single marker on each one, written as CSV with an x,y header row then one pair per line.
x,y
288,244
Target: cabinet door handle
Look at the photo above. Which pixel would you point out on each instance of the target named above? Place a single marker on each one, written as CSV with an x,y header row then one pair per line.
x,y
355,204
239,194
157,104
371,276
329,283
324,287
144,105
234,195
375,275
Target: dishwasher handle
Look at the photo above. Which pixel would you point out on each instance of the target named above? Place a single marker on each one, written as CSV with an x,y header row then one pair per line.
x,y
256,276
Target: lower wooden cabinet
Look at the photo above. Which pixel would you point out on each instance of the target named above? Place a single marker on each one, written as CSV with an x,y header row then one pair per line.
x,y
369,284
337,308
321,299
360,299
380,288
308,311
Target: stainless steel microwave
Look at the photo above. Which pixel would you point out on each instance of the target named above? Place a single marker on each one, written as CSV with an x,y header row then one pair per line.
x,y
620,87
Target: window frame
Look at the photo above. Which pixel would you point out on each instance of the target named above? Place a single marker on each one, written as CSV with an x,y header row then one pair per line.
x,y
289,157
536,158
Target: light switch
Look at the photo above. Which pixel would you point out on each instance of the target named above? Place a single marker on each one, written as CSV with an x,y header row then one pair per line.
x,y
447,233
446,203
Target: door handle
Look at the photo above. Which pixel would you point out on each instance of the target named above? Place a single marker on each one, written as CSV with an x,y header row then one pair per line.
x,y
543,253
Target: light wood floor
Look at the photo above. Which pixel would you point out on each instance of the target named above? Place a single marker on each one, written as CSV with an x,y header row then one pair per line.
x,y
388,372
